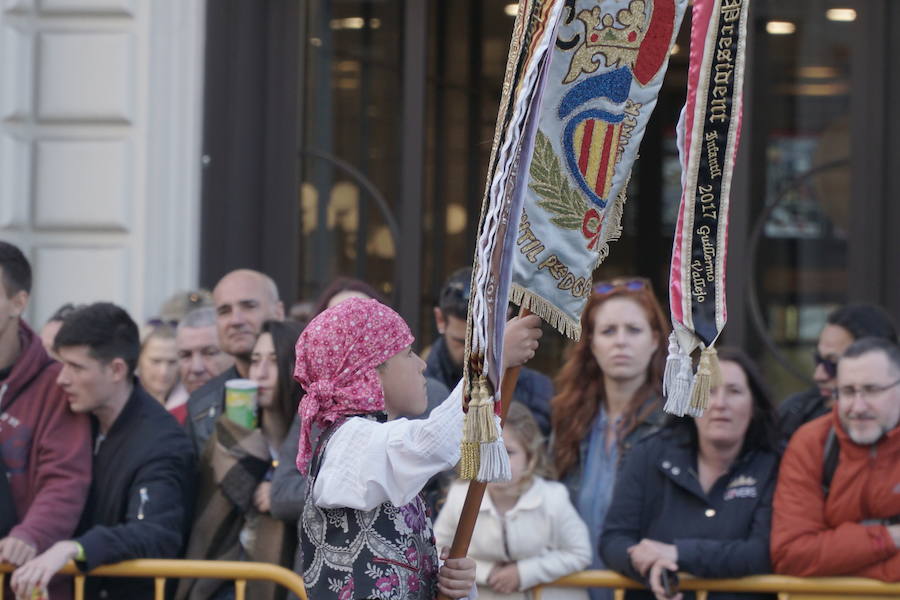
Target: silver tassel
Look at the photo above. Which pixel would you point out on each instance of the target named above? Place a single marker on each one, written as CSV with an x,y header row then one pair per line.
x,y
494,459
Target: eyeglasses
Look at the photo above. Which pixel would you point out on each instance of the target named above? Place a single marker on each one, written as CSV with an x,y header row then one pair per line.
x,y
634,285
828,364
849,392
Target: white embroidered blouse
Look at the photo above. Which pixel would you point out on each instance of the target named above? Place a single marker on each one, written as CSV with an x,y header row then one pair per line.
x,y
367,463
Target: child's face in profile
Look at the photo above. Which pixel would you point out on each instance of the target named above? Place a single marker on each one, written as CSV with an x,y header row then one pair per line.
x,y
518,460
403,383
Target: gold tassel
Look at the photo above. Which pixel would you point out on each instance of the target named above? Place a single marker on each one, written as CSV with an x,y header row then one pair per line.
x,y
715,370
469,460
703,381
479,424
478,427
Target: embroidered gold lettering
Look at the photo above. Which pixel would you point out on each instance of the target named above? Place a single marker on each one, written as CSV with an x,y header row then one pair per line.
x,y
712,158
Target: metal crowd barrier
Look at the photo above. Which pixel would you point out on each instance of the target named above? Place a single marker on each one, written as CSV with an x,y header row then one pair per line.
x,y
160,570
807,588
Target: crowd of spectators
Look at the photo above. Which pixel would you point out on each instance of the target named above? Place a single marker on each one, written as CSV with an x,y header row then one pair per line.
x,y
115,444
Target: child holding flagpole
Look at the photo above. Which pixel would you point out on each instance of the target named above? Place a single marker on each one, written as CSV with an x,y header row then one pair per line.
x,y
365,532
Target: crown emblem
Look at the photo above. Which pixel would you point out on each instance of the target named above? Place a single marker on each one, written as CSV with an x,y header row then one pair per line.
x,y
617,39
742,481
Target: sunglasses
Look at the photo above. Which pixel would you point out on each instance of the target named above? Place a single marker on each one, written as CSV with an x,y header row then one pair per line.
x,y
460,289
634,285
162,323
829,365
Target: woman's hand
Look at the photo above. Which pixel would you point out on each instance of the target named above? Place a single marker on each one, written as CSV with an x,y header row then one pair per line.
x,y
520,340
656,575
457,575
647,552
262,497
504,578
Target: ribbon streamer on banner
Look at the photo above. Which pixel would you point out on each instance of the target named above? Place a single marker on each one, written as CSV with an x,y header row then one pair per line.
x,y
606,70
708,135
484,456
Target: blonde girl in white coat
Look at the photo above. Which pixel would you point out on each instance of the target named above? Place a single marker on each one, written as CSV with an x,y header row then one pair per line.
x,y
527,532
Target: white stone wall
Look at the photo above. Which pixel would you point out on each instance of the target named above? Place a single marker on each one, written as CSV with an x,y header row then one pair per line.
x,y
100,128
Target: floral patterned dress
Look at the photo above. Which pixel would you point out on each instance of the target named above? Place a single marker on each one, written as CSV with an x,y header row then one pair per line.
x,y
387,553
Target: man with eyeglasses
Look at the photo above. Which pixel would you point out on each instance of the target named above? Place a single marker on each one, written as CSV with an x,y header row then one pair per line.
x,y
842,327
837,502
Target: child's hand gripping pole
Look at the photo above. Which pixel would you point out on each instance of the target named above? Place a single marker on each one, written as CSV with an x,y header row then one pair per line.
x,y
466,526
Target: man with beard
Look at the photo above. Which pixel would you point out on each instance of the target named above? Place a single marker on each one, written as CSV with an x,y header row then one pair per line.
x,y
837,502
843,326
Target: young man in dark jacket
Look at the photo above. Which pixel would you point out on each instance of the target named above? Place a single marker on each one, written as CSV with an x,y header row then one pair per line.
x,y
44,447
141,493
445,360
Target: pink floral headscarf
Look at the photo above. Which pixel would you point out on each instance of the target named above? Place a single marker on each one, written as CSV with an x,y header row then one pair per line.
x,y
337,355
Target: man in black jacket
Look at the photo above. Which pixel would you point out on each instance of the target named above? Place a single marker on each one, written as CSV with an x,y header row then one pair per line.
x,y
143,466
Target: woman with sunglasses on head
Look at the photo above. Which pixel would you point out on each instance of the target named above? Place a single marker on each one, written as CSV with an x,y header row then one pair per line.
x,y
697,496
609,397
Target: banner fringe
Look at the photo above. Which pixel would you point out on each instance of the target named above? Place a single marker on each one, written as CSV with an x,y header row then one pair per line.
x,y
546,310
614,227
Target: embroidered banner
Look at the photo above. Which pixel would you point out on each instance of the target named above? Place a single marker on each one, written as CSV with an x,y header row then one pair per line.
x,y
604,77
709,131
484,456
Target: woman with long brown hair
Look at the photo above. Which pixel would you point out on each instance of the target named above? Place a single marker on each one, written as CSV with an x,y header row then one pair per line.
x,y
610,391
233,517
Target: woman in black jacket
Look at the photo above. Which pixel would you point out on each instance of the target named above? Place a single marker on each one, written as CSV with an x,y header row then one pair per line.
x,y
697,496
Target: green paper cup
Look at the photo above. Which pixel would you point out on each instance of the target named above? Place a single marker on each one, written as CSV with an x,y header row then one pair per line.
x,y
240,402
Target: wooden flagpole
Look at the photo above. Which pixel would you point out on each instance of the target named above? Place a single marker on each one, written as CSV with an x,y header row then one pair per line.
x,y
466,525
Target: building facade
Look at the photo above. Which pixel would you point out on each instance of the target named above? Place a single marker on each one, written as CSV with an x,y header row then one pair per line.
x,y
148,146
100,128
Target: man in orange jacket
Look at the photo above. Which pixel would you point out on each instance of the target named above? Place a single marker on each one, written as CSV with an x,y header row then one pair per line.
x,y
845,520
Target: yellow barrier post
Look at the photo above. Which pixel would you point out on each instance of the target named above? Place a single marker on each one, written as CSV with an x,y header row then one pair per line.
x,y
159,588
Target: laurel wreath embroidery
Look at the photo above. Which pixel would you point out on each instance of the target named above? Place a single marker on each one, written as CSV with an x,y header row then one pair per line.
x,y
550,183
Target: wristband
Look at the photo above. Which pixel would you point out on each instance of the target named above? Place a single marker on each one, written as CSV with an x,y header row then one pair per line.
x,y
80,557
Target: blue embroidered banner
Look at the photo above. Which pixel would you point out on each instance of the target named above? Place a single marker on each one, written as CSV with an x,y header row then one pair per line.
x,y
603,80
